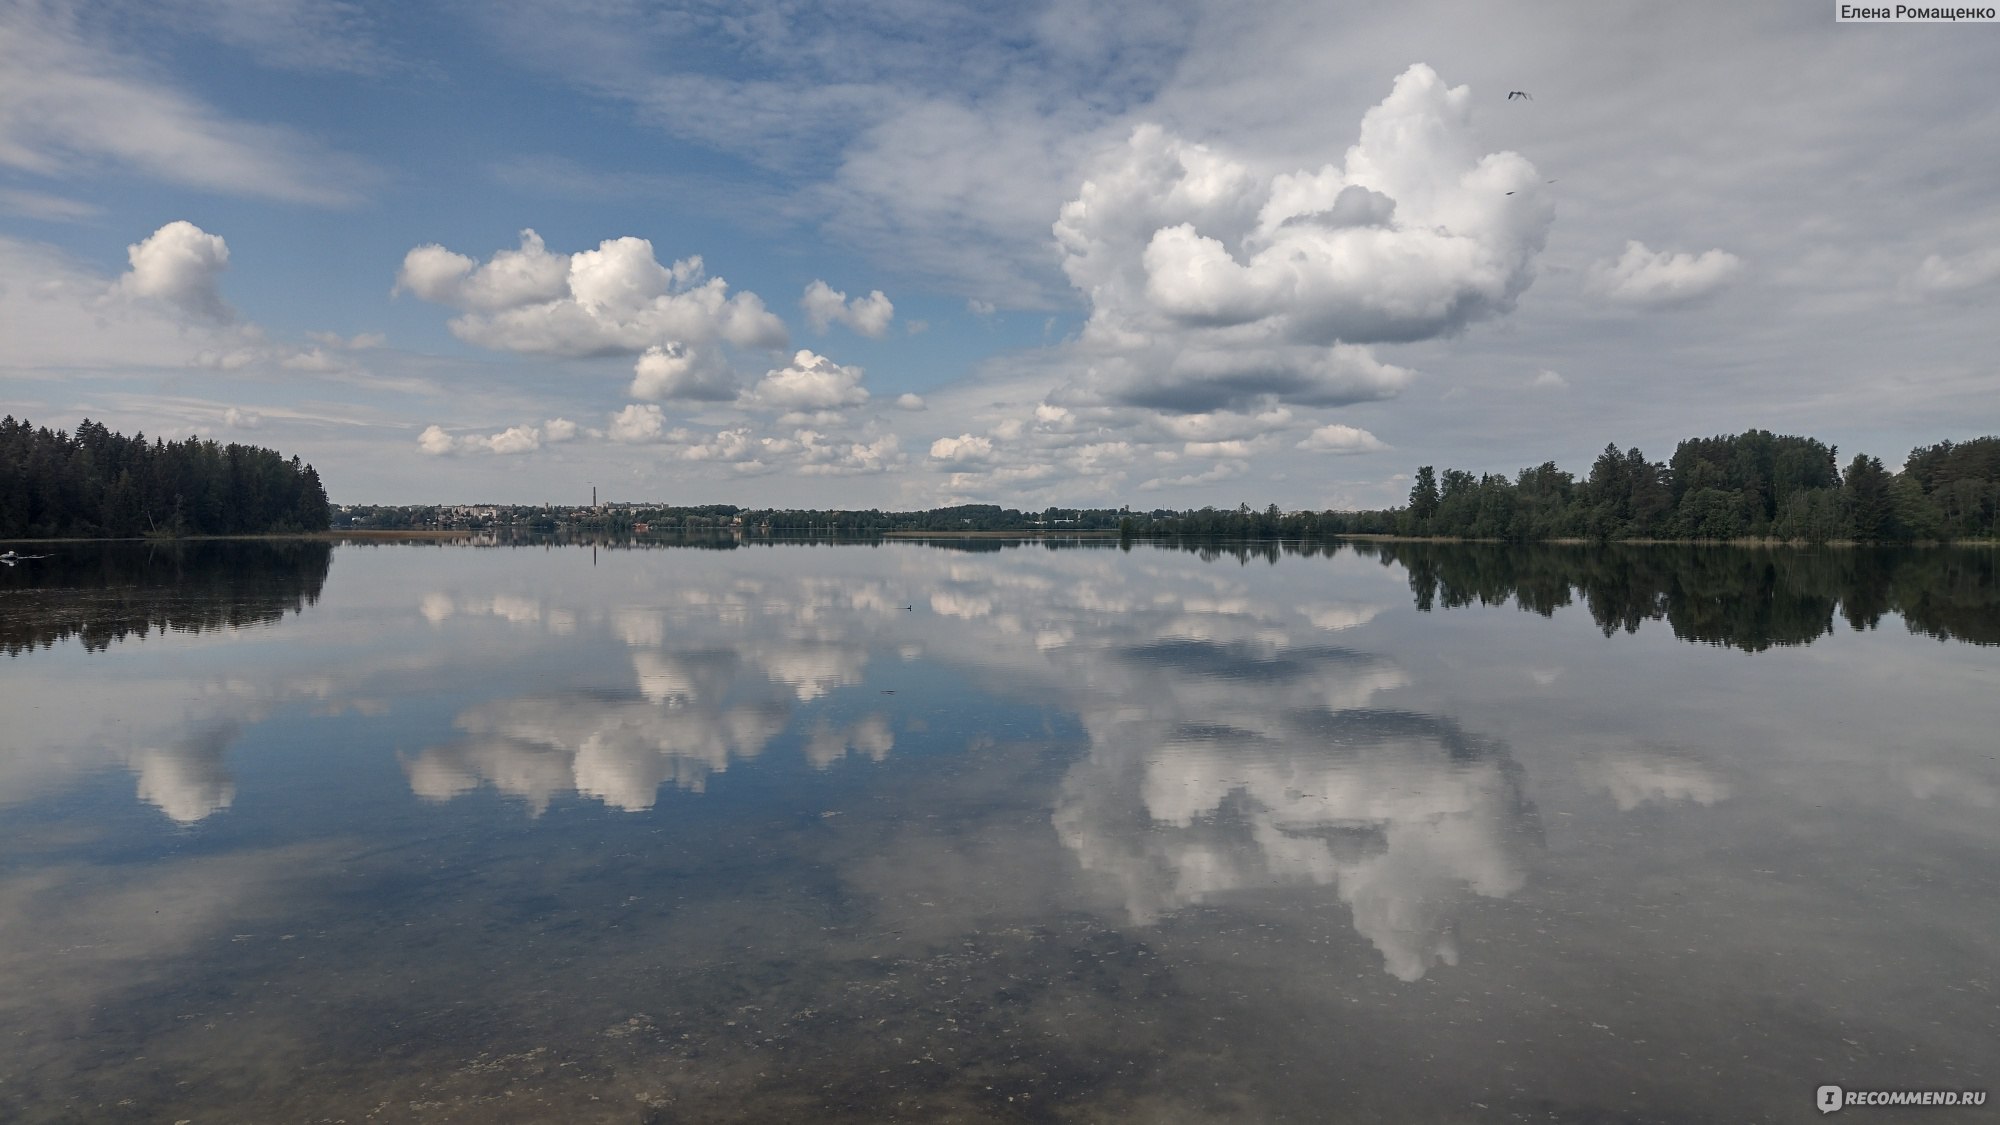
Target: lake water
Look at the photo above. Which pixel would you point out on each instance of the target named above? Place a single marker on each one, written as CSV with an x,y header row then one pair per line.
x,y
970,833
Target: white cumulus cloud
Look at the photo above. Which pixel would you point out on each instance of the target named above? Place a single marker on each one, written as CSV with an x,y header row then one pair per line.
x,y
963,449
514,439
182,265
810,382
437,442
1213,284
529,275
637,423
824,305
1337,438
1660,279
674,371
616,299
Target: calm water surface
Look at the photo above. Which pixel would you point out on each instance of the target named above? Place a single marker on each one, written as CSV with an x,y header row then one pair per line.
x,y
912,832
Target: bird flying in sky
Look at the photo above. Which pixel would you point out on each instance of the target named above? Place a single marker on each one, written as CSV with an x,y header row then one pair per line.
x,y
1522,94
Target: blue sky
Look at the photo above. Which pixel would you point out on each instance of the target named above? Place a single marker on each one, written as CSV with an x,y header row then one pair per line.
x,y
1153,254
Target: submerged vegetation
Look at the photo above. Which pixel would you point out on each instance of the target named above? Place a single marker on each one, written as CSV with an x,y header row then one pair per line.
x,y
97,483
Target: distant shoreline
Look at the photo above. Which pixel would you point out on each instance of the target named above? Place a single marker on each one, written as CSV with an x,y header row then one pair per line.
x,y
430,535
376,535
1091,533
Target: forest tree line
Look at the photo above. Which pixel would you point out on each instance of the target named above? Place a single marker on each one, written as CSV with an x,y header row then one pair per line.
x,y
1750,485
96,483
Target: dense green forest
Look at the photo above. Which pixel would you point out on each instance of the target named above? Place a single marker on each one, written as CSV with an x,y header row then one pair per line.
x,y
1755,484
98,483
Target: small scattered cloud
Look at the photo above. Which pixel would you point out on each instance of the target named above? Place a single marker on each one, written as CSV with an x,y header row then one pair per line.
x,y
436,442
980,308
1663,279
1338,438
824,305
1546,380
811,453
1939,276
909,401
802,451
1219,472
359,342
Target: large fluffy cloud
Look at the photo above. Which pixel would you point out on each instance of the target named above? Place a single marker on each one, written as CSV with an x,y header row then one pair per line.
x,y
672,371
616,299
182,265
637,423
809,383
1212,283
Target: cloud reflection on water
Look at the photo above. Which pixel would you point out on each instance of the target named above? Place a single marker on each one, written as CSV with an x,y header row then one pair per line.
x,y
619,750
1220,787
1229,748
